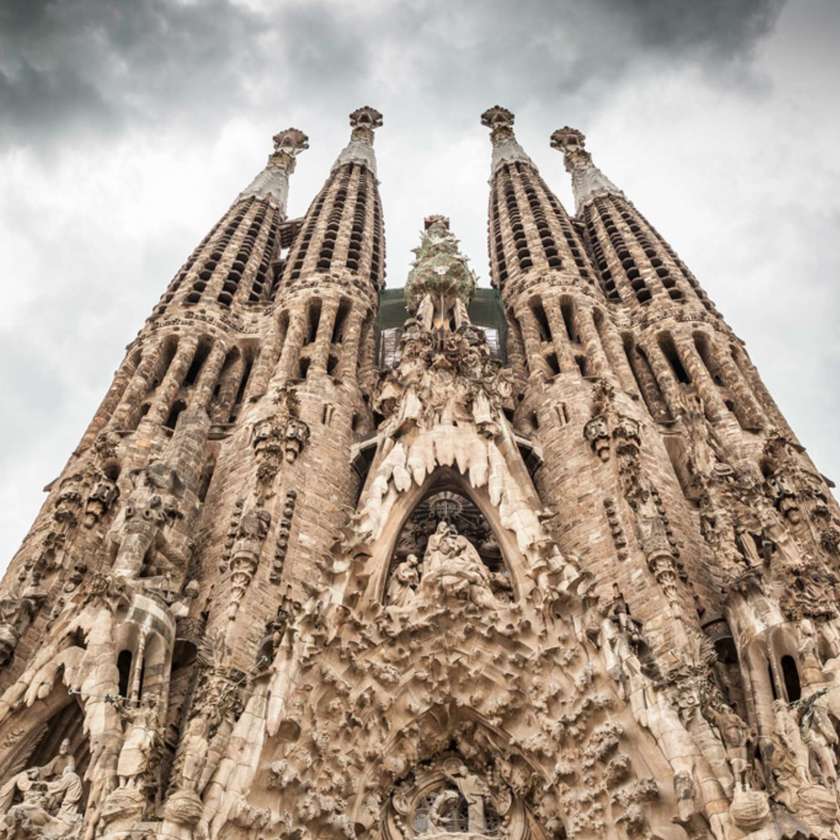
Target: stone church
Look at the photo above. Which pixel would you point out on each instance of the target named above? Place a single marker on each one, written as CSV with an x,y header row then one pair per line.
x,y
536,562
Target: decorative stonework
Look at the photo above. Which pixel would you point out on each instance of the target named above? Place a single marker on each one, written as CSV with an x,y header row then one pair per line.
x,y
581,585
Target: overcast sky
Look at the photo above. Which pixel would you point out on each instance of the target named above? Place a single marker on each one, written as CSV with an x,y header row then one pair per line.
x,y
127,128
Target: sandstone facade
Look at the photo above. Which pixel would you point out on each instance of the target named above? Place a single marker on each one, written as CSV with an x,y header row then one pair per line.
x,y
313,575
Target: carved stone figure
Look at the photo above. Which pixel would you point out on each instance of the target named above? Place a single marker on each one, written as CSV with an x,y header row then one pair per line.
x,y
43,802
735,736
153,505
404,582
100,499
452,568
141,735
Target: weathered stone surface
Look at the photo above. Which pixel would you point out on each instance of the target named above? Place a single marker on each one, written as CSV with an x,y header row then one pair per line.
x,y
587,591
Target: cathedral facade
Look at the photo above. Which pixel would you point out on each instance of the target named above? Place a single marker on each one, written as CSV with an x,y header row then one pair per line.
x,y
533,562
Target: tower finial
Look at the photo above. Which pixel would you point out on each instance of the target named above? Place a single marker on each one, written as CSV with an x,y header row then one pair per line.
x,y
506,149
588,182
363,122
273,181
288,144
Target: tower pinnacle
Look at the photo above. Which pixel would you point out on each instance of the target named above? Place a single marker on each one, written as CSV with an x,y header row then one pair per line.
x,y
273,182
588,181
363,122
506,148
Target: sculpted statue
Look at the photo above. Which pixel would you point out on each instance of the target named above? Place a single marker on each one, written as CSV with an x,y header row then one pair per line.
x,y
195,746
404,582
100,499
154,504
140,739
735,735
453,567
16,614
820,737
790,758
43,802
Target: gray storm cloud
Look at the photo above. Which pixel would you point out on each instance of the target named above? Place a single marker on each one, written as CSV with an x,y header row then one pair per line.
x,y
127,128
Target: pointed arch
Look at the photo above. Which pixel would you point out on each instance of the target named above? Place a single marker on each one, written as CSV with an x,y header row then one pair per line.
x,y
441,479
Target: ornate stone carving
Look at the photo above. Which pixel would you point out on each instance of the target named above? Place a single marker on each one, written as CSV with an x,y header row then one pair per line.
x,y
43,802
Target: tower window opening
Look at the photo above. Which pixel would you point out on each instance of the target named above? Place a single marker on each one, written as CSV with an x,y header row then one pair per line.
x,y
790,674
553,363
303,368
124,670
580,361
201,353
340,321
541,319
669,351
174,414
243,384
313,319
567,308
332,364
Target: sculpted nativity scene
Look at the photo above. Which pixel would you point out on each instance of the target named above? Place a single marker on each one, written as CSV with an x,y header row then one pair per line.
x,y
536,562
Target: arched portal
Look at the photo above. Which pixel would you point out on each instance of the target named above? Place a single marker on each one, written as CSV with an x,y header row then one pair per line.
x,y
445,495
463,517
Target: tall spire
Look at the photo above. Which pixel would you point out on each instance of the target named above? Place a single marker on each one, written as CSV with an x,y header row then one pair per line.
x,y
588,182
273,182
506,148
363,122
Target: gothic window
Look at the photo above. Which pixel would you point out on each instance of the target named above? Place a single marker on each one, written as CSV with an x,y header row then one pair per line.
x,y
447,528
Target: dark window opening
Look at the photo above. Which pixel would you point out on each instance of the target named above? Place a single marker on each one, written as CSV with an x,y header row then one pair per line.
x,y
669,350
790,674
567,308
198,361
174,414
124,669
313,319
541,319
303,368
553,363
340,320
580,361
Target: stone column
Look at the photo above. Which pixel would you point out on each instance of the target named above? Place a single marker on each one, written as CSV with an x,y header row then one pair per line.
x,y
149,369
106,409
701,378
533,346
295,336
665,379
591,341
321,351
174,379
228,387
754,416
209,376
349,359
614,349
562,346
